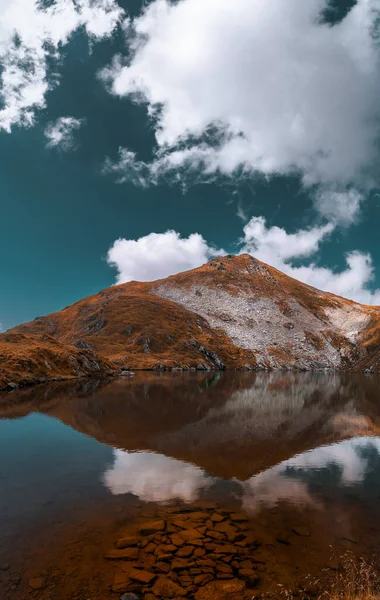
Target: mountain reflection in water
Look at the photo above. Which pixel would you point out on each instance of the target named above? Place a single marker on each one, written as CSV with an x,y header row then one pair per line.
x,y
286,448
158,478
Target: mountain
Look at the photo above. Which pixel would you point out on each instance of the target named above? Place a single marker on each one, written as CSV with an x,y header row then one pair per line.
x,y
234,312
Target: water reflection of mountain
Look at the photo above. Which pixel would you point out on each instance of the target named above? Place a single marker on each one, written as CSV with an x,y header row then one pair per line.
x,y
299,480
230,425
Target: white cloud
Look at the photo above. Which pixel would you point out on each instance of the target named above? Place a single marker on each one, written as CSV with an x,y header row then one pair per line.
x,y
278,248
61,132
31,35
155,477
284,92
271,243
158,255
341,207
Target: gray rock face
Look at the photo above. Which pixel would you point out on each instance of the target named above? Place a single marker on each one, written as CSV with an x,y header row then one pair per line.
x,y
310,340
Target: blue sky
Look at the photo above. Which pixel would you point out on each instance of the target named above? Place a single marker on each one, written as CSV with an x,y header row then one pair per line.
x,y
137,139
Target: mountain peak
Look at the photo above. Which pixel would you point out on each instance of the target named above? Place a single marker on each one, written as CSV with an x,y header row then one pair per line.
x,y
233,312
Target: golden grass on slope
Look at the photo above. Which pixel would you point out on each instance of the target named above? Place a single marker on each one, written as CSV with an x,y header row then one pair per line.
x,y
137,329
25,360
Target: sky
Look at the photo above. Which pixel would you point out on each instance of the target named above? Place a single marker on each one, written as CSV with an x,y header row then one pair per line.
x,y
141,138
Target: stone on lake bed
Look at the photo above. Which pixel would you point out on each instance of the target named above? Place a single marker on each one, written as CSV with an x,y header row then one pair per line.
x,y
176,539
124,542
165,549
232,589
37,583
141,576
129,596
162,566
166,588
216,517
190,534
333,564
301,530
225,528
203,579
152,527
185,551
196,542
224,568
216,535
121,581
198,516
124,554
246,564
225,549
248,574
181,563
239,517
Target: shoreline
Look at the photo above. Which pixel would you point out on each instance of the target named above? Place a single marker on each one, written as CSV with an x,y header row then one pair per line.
x,y
127,373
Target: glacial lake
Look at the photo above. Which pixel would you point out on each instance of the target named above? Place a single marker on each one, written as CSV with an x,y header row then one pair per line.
x,y
275,475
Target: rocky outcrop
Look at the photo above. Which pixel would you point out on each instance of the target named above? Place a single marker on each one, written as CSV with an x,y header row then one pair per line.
x,y
232,313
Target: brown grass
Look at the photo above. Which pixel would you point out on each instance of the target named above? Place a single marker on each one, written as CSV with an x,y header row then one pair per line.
x,y
355,578
358,579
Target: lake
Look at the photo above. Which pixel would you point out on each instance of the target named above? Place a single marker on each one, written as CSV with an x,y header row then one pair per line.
x,y
175,481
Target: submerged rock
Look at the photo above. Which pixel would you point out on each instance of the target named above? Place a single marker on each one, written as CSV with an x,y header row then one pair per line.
x,y
37,583
166,588
152,527
221,590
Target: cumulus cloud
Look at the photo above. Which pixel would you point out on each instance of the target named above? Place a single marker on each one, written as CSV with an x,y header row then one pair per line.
x,y
278,248
32,36
158,255
155,477
61,133
256,85
339,207
271,243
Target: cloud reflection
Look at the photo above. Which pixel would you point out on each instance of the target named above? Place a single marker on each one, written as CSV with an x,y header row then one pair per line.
x,y
155,477
158,478
283,482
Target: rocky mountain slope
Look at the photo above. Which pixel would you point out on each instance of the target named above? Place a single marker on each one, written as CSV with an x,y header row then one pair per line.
x,y
234,312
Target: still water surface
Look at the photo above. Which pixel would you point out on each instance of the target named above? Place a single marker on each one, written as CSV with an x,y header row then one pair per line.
x,y
299,454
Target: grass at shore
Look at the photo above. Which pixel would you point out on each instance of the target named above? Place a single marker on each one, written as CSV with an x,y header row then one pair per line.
x,y
356,579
